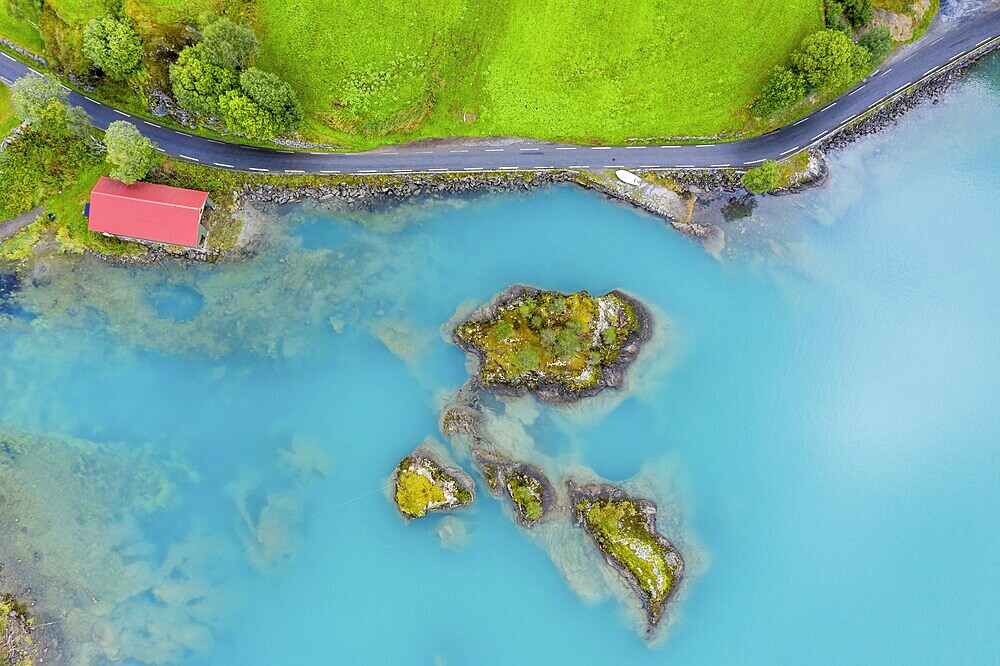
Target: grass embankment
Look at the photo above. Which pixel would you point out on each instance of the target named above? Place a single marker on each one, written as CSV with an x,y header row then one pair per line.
x,y
380,72
8,120
551,338
565,70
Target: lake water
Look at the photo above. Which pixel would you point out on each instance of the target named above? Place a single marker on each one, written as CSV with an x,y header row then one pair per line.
x,y
198,466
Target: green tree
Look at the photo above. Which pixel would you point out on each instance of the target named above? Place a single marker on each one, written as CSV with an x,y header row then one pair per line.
x,y
526,359
198,84
858,12
878,42
227,44
62,123
273,95
763,178
31,94
244,116
568,344
834,16
783,90
502,330
130,154
827,59
113,45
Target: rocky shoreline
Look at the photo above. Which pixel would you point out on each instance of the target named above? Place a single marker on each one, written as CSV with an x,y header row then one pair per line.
x,y
423,483
504,476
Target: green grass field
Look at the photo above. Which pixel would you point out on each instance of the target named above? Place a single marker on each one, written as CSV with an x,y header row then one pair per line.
x,y
7,119
568,69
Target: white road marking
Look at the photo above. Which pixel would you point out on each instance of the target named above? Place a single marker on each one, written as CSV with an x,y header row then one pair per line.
x,y
528,149
317,153
181,133
817,136
390,153
507,168
685,166
932,69
755,161
937,40
579,166
874,74
828,107
287,152
423,152
161,150
146,122
185,157
719,166
886,71
401,171
494,150
220,164
649,166
214,141
368,171
634,147
89,100
258,169
473,169
458,151
6,80
905,85
610,166
705,145
8,57
669,146
437,169
566,148
789,151
293,171
328,171
855,90
600,147
63,86
801,121
979,43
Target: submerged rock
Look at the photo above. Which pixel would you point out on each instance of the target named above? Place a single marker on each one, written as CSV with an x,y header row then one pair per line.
x,y
561,347
526,486
422,483
624,529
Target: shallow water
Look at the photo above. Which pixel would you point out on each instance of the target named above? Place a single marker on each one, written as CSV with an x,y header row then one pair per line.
x,y
816,418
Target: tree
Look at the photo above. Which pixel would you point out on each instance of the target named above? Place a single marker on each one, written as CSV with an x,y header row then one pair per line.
x,y
31,94
227,44
827,59
878,42
858,12
763,178
198,84
244,116
834,16
61,123
113,45
783,90
273,95
130,154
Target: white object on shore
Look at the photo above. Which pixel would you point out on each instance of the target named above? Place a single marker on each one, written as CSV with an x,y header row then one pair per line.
x,y
628,177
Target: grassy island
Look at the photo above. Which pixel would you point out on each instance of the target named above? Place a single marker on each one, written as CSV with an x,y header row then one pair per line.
x,y
530,340
527,487
625,531
422,483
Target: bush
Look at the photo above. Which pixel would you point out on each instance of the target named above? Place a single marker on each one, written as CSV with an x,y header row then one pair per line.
x,y
113,45
31,94
858,12
130,154
829,59
63,43
244,116
273,95
228,45
763,178
878,42
834,17
783,90
198,84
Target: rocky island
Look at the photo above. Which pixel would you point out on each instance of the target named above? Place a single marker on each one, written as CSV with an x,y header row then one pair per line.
x,y
624,529
561,347
423,483
529,490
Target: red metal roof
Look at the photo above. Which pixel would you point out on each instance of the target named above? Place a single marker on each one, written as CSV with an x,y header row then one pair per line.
x,y
150,212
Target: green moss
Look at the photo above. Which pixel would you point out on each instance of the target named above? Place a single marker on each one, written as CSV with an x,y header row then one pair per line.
x,y
415,494
621,530
526,493
550,337
790,170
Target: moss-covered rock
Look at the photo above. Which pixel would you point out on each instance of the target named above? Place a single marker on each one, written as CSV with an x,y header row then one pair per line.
x,y
17,646
422,483
559,346
624,529
531,494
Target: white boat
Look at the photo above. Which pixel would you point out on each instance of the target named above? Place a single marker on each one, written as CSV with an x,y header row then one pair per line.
x,y
628,177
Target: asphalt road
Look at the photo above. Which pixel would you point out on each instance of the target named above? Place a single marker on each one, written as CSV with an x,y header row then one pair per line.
x,y
942,45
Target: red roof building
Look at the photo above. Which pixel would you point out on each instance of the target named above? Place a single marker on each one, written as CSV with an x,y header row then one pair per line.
x,y
144,211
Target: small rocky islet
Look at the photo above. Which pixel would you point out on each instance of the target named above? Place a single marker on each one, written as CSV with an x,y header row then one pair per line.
x,y
559,347
422,483
624,530
530,492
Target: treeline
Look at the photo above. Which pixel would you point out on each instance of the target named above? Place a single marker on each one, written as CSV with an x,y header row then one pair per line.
x,y
828,60
214,78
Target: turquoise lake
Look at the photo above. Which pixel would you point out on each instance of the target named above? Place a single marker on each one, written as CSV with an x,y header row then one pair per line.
x,y
200,454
